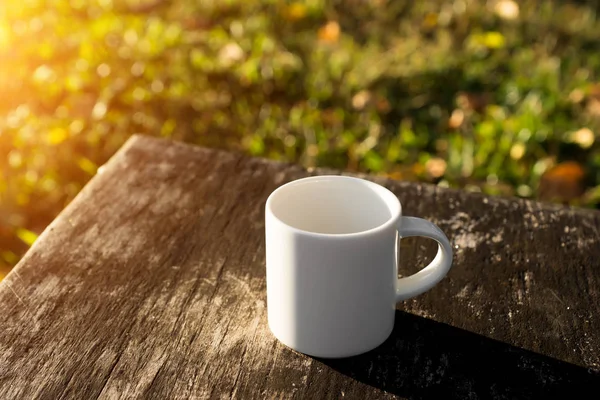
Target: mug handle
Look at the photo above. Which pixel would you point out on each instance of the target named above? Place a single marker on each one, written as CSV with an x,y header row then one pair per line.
x,y
429,276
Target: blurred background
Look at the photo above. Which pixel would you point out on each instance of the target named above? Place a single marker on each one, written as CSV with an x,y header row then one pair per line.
x,y
496,96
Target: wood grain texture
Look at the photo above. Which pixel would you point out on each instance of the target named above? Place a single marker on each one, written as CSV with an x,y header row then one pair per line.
x,y
151,284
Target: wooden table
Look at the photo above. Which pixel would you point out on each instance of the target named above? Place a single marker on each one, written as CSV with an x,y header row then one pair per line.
x,y
151,284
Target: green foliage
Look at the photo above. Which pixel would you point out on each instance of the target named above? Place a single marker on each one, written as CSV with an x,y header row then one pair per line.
x,y
485,95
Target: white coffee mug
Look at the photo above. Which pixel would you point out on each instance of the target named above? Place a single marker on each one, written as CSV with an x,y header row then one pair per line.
x,y
332,264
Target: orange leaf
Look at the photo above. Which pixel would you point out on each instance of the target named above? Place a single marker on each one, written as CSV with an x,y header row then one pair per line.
x,y
330,32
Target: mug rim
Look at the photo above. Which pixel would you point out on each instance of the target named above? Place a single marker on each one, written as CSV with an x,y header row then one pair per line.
x,y
390,199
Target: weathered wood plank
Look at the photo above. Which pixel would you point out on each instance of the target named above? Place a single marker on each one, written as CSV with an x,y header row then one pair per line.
x,y
151,285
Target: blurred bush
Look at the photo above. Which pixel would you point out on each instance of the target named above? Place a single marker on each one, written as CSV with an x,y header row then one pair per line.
x,y
495,96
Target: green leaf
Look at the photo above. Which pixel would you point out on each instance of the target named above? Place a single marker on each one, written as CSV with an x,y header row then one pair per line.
x,y
87,165
57,135
26,236
9,257
494,40
373,161
256,145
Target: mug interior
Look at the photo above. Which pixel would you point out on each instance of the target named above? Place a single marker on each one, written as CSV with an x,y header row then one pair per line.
x,y
333,205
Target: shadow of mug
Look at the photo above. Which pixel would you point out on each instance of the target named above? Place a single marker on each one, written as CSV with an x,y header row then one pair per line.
x,y
423,358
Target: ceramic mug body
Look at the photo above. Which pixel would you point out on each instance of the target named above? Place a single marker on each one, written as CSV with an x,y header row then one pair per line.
x,y
331,254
